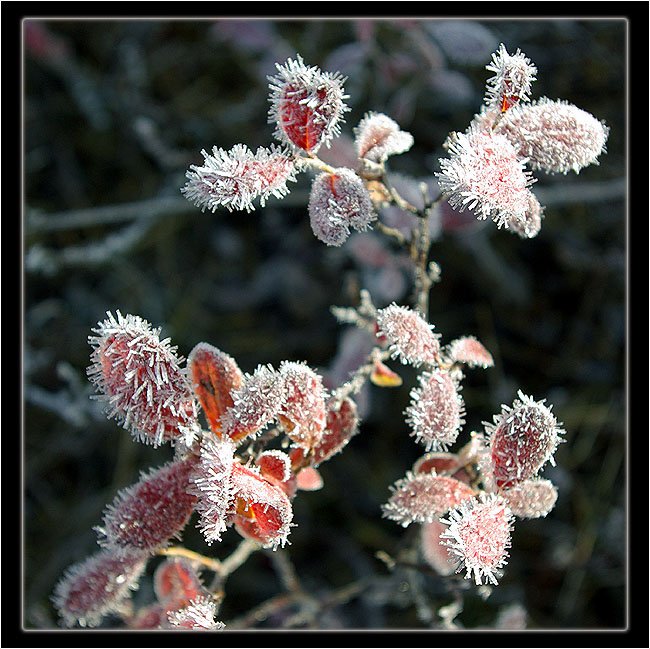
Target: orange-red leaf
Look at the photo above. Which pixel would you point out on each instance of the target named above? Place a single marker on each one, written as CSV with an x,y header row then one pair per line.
x,y
383,377
214,374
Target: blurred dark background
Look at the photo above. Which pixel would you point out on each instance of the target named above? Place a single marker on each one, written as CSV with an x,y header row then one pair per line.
x,y
116,111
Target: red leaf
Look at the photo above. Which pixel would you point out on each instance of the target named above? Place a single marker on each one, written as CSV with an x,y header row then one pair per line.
x,y
214,375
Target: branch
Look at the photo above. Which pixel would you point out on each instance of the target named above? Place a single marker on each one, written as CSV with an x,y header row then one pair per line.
x,y
36,221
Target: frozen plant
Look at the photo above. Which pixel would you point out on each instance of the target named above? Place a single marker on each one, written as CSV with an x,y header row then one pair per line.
x,y
246,444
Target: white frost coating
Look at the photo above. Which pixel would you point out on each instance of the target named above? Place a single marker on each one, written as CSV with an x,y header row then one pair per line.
x,y
436,412
512,80
555,136
486,175
410,336
297,86
479,534
198,615
378,136
212,483
140,378
234,179
256,403
339,201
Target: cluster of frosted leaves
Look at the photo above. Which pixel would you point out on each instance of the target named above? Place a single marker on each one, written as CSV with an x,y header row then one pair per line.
x,y
338,202
512,80
146,515
470,351
549,135
231,494
214,376
531,498
485,174
198,615
303,412
521,440
234,179
409,335
141,379
436,411
423,497
478,536
378,136
555,136
98,586
307,105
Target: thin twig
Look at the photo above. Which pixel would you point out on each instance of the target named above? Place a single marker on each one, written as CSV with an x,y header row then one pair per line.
x,y
36,221
178,551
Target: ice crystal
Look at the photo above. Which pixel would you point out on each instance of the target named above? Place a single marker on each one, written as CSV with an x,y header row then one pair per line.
x,y
479,535
307,105
147,514
255,404
234,179
214,376
97,586
436,412
198,615
555,136
140,378
522,439
531,498
211,482
512,80
339,201
470,351
409,335
485,174
303,413
420,498
378,136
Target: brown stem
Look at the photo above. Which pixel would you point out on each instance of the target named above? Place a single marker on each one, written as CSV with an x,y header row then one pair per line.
x,y
394,233
419,251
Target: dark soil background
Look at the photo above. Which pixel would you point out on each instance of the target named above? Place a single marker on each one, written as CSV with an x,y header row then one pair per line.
x,y
115,111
